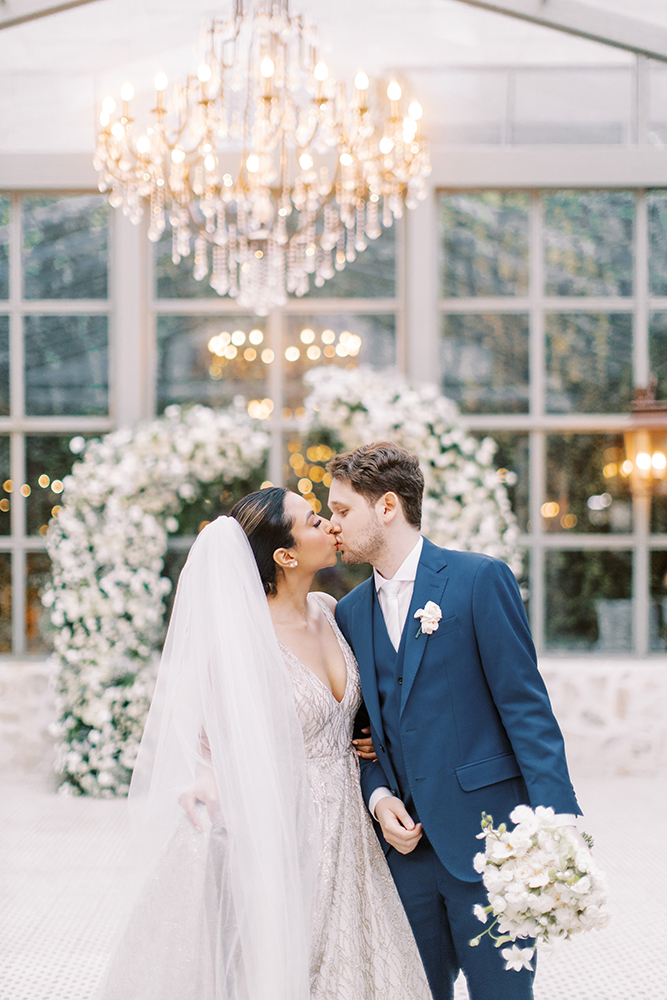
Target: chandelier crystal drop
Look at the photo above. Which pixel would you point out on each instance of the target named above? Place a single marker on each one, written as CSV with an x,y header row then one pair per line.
x,y
268,173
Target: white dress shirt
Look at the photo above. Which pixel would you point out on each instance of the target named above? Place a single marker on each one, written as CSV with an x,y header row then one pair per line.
x,y
395,597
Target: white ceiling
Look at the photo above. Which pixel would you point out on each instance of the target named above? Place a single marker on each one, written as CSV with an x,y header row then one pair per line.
x,y
55,71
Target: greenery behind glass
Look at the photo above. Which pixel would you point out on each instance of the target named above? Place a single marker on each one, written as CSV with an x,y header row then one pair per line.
x,y
583,467
656,202
588,241
589,362
371,275
658,351
484,362
4,247
575,584
484,243
184,362
5,494
51,456
658,616
66,365
38,626
5,602
512,462
4,366
65,247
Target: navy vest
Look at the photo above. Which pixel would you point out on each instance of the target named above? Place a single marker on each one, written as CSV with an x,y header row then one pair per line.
x,y
389,669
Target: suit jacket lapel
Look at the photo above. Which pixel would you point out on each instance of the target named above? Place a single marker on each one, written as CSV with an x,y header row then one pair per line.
x,y
430,584
361,633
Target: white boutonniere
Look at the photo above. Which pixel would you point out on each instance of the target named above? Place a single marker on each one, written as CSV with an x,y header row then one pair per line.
x,y
429,618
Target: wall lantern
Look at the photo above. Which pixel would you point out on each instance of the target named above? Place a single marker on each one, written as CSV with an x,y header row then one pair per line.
x,y
646,442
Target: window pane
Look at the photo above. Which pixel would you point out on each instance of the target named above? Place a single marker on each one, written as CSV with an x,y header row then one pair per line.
x,y
484,241
658,612
66,365
589,601
37,622
658,351
585,490
588,242
4,248
4,365
6,486
5,602
511,463
343,340
65,247
484,362
589,362
189,371
176,281
656,202
48,460
372,275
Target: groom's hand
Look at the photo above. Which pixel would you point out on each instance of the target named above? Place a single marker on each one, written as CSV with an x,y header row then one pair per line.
x,y
398,827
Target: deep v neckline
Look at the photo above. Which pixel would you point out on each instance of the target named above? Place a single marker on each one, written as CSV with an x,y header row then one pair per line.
x,y
331,622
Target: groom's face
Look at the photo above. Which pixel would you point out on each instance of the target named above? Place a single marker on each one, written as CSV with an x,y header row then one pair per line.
x,y
355,522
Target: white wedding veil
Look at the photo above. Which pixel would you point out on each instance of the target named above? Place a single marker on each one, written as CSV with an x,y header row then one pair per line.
x,y
224,701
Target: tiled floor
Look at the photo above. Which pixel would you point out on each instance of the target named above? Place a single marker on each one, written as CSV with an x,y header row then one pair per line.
x,y
62,869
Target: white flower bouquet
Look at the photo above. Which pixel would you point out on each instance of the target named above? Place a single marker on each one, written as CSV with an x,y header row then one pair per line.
x,y
542,884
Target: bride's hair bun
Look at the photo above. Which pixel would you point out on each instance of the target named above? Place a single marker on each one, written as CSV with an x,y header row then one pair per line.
x,y
263,518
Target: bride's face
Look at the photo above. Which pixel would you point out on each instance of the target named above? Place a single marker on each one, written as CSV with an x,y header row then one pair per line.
x,y
315,543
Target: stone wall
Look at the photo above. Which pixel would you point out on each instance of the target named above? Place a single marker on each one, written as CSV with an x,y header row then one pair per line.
x,y
613,713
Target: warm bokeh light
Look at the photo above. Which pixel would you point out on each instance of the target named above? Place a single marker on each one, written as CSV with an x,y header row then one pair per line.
x,y
550,509
43,481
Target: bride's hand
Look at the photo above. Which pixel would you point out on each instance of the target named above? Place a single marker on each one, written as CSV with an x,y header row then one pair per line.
x,y
204,790
365,748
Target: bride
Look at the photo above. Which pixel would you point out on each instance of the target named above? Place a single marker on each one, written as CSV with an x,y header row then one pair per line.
x,y
268,882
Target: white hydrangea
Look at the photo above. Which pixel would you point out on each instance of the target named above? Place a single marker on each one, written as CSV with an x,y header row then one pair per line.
x,y
106,594
466,507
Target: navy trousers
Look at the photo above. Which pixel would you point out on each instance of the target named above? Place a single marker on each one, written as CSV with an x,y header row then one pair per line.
x,y
439,908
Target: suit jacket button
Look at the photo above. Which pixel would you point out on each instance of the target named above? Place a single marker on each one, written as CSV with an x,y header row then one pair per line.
x,y
400,680
382,748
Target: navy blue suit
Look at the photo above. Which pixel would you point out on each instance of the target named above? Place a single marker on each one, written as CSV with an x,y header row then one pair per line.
x,y
461,723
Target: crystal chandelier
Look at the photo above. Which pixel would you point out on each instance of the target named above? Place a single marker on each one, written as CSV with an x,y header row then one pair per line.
x,y
261,163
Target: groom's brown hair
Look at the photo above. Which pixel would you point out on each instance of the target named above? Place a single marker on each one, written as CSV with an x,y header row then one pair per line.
x,y
379,468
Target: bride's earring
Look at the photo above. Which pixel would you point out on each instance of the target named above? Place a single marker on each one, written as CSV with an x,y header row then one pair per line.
x,y
294,563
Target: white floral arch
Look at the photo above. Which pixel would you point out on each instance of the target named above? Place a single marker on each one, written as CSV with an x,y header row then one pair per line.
x,y
108,543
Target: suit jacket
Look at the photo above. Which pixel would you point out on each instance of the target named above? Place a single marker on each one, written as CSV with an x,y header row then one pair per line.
x,y
476,726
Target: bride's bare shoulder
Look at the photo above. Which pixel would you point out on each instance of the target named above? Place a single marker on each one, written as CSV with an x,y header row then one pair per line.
x,y
330,601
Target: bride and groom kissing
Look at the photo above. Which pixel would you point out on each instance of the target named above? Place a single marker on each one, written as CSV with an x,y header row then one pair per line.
x,y
301,865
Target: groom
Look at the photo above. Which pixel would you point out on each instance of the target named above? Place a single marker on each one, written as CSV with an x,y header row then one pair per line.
x,y
460,717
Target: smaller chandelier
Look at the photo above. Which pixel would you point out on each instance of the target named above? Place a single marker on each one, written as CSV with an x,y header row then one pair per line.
x,y
316,174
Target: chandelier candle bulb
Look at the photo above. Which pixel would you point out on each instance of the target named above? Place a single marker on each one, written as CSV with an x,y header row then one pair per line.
x,y
127,92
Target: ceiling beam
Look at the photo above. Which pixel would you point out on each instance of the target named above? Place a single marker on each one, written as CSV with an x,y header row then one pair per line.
x,y
15,12
576,18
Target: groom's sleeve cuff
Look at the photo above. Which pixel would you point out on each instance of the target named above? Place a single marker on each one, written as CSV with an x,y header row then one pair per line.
x,y
380,793
563,819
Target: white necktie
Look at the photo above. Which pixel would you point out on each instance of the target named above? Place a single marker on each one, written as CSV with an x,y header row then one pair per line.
x,y
392,616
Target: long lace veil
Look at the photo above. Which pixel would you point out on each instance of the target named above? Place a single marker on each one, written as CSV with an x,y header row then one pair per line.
x,y
224,701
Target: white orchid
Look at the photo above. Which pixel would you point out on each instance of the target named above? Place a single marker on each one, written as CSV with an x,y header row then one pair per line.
x,y
518,958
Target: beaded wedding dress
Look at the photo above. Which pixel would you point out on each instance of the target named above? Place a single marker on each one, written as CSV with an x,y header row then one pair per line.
x,y
362,945
285,894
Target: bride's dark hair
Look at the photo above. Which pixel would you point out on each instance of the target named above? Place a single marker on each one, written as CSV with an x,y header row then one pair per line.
x,y
262,516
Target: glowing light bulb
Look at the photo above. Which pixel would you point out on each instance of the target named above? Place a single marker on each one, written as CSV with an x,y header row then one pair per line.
x,y
643,461
161,82
204,73
177,155
394,91
252,163
108,105
118,131
415,110
127,92
321,71
346,159
361,81
305,161
255,337
658,460
267,68
209,162
143,144
104,119
386,144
